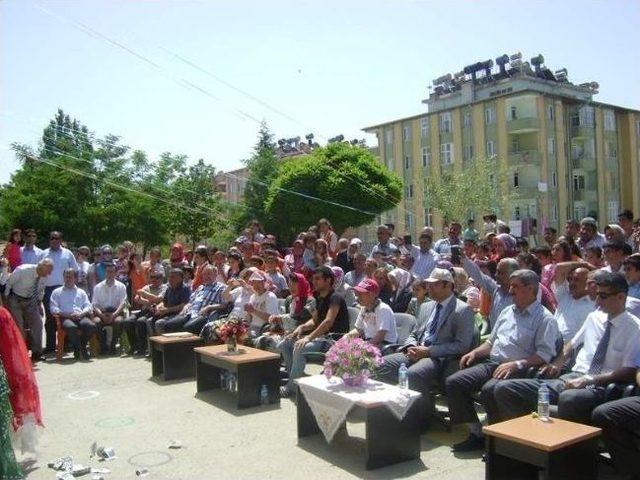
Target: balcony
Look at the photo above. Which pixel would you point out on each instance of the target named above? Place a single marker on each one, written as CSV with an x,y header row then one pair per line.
x,y
582,131
526,191
584,162
524,157
585,195
523,125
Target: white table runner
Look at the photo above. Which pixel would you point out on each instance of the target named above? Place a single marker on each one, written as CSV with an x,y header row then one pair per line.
x,y
332,400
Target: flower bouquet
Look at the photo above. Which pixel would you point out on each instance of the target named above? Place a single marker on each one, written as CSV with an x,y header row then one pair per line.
x,y
232,331
352,359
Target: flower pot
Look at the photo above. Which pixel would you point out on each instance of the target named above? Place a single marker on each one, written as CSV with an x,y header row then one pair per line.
x,y
357,381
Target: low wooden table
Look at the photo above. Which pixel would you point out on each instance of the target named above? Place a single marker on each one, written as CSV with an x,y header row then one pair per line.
x,y
527,447
253,369
388,440
172,356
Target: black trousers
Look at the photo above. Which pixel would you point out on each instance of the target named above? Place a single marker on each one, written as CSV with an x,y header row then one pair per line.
x,y
462,385
50,322
135,326
620,423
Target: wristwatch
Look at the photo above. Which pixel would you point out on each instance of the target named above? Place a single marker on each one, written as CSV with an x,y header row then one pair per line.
x,y
520,364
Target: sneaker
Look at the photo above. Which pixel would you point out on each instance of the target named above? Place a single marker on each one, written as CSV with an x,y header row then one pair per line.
x,y
473,442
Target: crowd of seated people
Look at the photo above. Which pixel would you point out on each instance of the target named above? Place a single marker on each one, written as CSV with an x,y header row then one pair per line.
x,y
489,309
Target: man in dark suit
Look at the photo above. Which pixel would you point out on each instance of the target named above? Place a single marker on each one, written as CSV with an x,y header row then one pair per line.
x,y
443,334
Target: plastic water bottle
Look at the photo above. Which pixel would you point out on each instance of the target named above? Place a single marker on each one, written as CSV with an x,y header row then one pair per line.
x,y
264,395
403,376
543,403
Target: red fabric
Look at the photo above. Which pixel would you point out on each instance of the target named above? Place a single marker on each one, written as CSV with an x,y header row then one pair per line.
x,y
304,293
178,256
24,396
12,252
548,299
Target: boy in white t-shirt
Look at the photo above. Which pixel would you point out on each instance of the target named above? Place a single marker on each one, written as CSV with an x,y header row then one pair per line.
x,y
376,322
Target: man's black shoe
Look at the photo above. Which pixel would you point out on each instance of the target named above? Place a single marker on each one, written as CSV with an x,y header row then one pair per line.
x,y
76,354
84,353
473,442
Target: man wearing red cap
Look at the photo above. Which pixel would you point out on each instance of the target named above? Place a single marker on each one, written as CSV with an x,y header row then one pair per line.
x,y
375,322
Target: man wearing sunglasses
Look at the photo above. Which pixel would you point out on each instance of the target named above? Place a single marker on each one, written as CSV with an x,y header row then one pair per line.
x,y
62,259
610,339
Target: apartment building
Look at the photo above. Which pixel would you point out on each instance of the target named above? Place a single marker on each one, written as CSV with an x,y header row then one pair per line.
x,y
567,155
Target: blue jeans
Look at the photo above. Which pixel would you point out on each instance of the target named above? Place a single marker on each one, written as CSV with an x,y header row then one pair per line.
x,y
295,362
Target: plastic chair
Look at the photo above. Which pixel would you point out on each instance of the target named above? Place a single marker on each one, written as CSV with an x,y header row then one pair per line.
x,y
61,337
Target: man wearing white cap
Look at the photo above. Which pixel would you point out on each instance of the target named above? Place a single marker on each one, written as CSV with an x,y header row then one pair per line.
x,y
262,304
443,334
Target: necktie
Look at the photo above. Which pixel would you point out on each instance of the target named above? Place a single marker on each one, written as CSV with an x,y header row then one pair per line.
x,y
433,326
35,297
601,351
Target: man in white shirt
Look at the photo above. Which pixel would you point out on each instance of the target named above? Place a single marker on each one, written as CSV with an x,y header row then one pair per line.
x,y
615,254
574,304
610,339
109,299
376,322
71,304
589,236
29,252
424,257
25,289
62,259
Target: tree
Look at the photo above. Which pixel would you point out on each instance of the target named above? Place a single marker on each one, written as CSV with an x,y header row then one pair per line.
x,y
475,190
200,215
349,188
263,167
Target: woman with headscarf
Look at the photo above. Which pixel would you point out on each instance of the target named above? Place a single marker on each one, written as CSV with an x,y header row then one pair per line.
x,y
176,259
504,246
294,260
338,283
12,249
299,307
401,283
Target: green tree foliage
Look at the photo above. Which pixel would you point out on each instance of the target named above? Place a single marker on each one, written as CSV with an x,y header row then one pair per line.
x,y
263,169
96,191
340,173
475,190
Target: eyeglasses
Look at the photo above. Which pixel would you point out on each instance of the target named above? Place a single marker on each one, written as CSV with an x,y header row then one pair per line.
x,y
605,295
54,238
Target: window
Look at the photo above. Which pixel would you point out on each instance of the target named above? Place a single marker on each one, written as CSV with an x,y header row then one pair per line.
x,y
551,146
516,180
611,150
583,117
613,208
490,115
491,148
550,113
426,156
516,213
407,162
579,211
467,152
554,179
406,133
514,113
576,151
389,163
445,122
515,144
428,217
466,119
446,153
424,127
609,121
578,181
408,191
554,212
388,137
409,221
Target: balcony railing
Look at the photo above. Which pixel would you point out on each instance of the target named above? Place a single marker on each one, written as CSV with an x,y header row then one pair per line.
x,y
524,157
521,125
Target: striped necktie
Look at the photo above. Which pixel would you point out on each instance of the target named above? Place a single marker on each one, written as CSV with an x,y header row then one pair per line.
x,y
34,298
433,326
601,352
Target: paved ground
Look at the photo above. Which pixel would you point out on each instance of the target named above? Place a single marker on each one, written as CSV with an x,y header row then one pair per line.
x,y
114,402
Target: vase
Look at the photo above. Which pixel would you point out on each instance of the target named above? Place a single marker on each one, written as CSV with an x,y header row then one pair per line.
x,y
357,381
232,344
